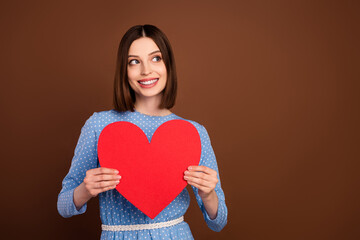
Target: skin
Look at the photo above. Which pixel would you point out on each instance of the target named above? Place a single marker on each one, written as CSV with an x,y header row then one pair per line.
x,y
145,61
205,180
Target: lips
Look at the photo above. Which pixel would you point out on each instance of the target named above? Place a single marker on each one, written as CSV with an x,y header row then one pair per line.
x,y
148,83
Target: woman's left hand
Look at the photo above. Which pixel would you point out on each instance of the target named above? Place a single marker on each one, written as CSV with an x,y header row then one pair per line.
x,y
203,178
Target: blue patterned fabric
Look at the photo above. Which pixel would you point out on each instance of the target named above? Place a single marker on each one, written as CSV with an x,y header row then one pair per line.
x,y
114,208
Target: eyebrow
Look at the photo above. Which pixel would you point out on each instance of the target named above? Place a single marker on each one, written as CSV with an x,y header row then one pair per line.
x,y
148,54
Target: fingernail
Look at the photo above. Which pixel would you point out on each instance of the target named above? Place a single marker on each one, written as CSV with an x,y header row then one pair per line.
x,y
117,181
186,172
116,171
189,168
118,176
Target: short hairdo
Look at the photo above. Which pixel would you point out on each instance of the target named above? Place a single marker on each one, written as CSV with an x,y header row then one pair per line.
x,y
124,95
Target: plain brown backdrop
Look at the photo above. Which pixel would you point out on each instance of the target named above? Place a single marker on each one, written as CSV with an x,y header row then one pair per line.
x,y
276,84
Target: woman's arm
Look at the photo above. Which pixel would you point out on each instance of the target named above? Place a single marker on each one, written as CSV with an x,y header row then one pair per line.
x,y
206,185
85,158
81,196
211,205
205,180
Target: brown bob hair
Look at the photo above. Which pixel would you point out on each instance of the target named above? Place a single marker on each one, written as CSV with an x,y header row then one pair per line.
x,y
124,95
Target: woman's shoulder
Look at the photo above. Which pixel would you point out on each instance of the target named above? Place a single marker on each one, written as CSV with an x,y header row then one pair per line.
x,y
201,129
105,116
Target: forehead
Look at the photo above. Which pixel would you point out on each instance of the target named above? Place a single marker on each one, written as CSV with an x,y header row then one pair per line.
x,y
142,46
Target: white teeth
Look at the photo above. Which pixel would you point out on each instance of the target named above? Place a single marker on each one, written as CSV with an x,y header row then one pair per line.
x,y
148,82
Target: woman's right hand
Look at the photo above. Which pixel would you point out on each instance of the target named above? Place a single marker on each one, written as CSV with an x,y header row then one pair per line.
x,y
101,179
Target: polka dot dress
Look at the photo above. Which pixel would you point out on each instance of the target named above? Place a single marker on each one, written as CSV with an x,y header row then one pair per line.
x,y
114,208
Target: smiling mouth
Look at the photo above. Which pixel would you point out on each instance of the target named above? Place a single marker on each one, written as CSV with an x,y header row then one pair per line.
x,y
148,82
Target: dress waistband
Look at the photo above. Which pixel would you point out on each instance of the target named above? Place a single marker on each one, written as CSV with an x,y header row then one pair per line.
x,y
142,226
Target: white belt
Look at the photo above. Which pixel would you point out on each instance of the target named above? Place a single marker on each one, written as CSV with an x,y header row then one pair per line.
x,y
141,226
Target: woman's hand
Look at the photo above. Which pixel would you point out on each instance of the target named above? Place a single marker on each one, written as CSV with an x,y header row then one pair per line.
x,y
97,180
101,179
203,178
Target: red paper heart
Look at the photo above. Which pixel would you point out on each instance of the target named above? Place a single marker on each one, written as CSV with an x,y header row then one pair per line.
x,y
151,173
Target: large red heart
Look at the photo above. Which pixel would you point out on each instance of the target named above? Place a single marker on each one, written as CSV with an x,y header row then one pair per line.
x,y
151,173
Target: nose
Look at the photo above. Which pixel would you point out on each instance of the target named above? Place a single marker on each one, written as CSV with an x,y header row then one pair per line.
x,y
146,69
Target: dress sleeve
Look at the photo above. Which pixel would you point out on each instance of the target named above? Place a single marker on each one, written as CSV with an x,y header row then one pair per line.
x,y
85,158
208,159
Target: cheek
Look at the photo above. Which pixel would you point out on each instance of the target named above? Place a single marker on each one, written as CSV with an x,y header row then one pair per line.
x,y
162,70
132,73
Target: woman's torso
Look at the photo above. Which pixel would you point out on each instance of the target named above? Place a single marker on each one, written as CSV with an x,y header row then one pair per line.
x,y
117,210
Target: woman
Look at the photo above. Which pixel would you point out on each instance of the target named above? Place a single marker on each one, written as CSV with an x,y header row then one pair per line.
x,y
144,90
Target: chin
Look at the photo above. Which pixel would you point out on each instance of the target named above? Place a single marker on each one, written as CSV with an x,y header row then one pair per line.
x,y
150,94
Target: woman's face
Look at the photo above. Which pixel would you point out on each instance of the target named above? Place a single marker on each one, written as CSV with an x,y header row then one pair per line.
x,y
146,70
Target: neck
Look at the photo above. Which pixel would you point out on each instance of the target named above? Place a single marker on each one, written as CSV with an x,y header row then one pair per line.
x,y
150,106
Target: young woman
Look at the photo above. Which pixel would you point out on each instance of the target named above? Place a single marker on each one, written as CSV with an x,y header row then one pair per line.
x,y
144,90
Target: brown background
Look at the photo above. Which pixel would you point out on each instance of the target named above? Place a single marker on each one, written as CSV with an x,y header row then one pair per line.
x,y
276,84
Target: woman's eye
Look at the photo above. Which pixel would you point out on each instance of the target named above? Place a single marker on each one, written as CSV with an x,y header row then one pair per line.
x,y
133,61
158,58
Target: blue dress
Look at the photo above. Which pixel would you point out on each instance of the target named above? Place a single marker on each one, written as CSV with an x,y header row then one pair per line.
x,y
114,208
